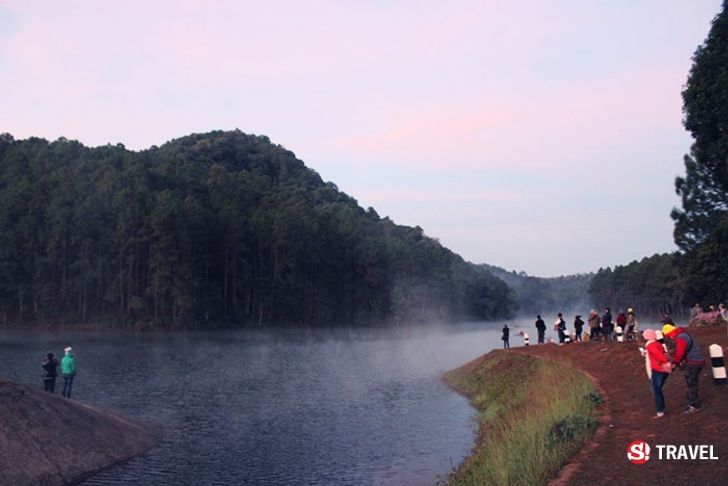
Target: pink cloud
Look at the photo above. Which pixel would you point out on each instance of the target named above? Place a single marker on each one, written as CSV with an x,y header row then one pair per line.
x,y
437,196
540,129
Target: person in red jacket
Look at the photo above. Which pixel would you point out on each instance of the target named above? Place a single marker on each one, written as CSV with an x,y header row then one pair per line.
x,y
688,357
622,321
658,369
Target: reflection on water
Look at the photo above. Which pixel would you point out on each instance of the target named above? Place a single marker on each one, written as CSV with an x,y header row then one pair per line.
x,y
276,407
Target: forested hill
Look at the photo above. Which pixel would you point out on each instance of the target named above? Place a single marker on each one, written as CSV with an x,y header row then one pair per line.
x,y
547,296
208,229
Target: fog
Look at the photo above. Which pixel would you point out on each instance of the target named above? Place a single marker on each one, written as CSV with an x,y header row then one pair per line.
x,y
314,406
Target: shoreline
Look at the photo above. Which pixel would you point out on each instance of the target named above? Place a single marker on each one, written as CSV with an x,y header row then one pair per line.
x,y
534,415
143,327
617,372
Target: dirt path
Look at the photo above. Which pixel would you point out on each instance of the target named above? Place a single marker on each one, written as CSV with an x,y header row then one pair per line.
x,y
627,414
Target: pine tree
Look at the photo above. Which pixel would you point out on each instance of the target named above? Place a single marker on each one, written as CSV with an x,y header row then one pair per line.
x,y
704,188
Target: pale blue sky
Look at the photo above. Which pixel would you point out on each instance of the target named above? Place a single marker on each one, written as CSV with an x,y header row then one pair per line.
x,y
538,136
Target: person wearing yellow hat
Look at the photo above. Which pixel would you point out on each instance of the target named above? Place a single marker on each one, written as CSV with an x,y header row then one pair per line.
x,y
689,357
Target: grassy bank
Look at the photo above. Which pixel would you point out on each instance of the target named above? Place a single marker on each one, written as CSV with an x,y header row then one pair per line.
x,y
534,414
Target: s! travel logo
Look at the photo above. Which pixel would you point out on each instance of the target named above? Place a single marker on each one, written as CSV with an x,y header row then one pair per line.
x,y
638,452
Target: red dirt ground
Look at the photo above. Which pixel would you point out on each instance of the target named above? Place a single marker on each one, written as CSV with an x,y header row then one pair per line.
x,y
627,412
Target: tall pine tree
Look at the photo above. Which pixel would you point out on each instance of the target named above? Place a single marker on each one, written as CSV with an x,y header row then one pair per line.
x,y
702,223
704,188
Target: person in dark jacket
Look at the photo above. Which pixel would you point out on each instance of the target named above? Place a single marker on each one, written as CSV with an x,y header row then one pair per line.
x,y
578,327
688,357
506,337
50,372
607,324
541,328
560,327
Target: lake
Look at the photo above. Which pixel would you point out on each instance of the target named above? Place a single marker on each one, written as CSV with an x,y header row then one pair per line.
x,y
344,406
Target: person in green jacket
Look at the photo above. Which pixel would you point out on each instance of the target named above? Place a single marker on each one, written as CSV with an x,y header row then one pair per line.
x,y
68,370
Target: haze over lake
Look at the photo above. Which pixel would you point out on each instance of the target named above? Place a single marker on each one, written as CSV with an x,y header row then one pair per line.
x,y
341,406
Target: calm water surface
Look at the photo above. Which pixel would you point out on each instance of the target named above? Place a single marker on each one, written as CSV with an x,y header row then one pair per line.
x,y
276,407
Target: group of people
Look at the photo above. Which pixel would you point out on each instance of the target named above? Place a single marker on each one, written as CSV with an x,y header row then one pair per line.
x,y
603,327
600,327
660,363
711,316
698,309
68,371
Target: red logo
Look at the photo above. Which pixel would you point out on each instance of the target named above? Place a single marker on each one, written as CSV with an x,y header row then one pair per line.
x,y
638,452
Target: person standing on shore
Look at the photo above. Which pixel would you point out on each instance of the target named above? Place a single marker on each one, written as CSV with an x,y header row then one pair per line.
x,y
695,310
607,325
50,372
560,326
594,322
658,369
688,357
68,370
506,337
541,328
622,321
578,327
631,325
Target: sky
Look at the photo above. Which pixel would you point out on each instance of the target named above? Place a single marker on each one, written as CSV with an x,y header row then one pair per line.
x,y
538,136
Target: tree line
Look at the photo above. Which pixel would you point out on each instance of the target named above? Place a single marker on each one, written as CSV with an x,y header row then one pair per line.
x,y
652,286
210,229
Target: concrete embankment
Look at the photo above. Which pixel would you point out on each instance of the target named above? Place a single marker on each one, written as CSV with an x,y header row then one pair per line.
x,y
48,440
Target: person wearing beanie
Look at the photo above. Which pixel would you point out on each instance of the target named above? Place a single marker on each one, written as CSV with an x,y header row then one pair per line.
x,y
68,370
658,369
688,357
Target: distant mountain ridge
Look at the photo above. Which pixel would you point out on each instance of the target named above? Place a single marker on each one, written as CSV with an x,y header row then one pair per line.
x,y
546,295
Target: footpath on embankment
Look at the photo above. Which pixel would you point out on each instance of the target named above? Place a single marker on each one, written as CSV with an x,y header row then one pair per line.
x,y
46,439
624,410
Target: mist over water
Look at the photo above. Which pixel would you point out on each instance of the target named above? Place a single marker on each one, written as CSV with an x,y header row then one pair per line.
x,y
344,406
